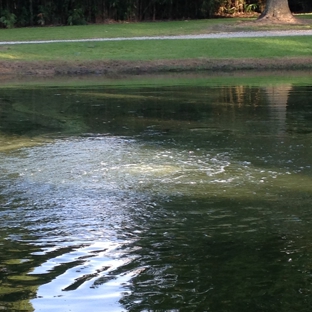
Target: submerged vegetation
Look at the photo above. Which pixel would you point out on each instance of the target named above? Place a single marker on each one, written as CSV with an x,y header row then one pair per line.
x,y
68,109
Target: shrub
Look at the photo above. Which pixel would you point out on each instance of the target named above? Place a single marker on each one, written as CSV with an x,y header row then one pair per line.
x,y
7,19
76,17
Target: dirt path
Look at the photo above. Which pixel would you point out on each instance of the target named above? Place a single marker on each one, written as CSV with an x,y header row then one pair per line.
x,y
237,34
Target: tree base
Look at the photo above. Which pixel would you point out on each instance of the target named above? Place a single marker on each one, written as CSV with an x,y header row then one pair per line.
x,y
277,11
284,19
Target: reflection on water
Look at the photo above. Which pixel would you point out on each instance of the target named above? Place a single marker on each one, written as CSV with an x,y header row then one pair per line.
x,y
156,199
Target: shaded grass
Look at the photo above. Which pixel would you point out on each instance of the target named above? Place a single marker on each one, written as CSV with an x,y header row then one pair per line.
x,y
113,30
162,49
305,16
141,29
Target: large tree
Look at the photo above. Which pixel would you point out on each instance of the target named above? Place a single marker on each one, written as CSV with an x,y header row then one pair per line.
x,y
277,10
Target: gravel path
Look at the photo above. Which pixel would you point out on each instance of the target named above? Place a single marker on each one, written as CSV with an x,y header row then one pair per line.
x,y
240,34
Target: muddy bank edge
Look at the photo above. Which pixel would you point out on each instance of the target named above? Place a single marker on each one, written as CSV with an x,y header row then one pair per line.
x,y
111,68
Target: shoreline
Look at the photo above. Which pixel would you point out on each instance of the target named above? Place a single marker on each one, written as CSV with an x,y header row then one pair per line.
x,y
111,68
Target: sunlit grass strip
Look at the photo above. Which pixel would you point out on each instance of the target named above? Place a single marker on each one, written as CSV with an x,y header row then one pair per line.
x,y
162,50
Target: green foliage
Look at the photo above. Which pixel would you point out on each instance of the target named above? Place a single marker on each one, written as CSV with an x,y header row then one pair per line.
x,y
47,14
80,12
210,7
23,17
76,17
252,7
8,19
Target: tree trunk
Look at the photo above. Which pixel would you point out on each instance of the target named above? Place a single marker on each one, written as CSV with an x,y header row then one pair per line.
x,y
278,11
31,13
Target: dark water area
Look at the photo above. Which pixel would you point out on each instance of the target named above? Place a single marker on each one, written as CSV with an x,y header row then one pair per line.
x,y
174,197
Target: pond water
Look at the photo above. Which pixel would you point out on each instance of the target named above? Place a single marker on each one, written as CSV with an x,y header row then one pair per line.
x,y
156,197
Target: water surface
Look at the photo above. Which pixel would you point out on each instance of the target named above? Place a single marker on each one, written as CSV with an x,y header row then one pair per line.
x,y
156,198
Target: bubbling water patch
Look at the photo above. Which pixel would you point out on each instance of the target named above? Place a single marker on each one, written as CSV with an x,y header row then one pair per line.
x,y
113,164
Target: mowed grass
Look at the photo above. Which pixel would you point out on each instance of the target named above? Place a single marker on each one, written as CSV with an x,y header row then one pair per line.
x,y
114,30
162,49
149,49
140,29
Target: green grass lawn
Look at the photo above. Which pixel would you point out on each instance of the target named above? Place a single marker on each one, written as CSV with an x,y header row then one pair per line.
x,y
138,29
149,49
114,30
161,49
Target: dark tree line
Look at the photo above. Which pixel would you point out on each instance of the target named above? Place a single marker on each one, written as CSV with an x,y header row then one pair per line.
x,y
77,12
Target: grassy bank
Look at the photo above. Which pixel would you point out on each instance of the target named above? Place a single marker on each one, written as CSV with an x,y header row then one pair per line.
x,y
55,57
275,78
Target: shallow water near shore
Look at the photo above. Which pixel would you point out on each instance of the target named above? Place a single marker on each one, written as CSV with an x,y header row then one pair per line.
x,y
176,195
